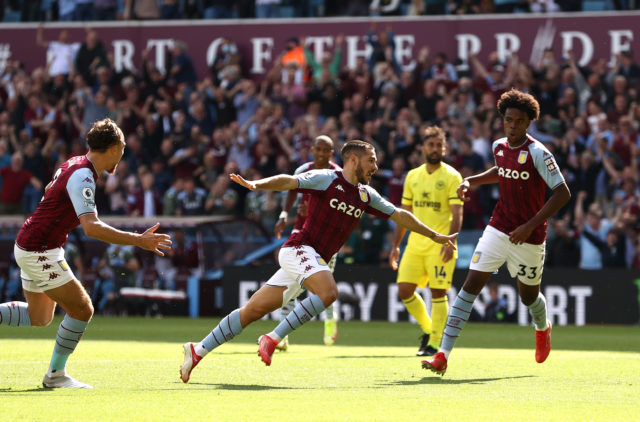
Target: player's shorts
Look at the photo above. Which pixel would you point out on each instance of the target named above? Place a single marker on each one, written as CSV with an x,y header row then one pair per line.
x,y
424,270
296,265
44,270
524,262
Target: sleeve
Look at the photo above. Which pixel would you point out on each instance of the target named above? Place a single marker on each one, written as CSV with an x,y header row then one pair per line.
x,y
547,166
493,151
407,192
379,206
454,181
314,180
81,189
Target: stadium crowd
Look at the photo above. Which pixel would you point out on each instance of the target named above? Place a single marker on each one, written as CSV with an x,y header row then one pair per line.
x,y
185,134
84,10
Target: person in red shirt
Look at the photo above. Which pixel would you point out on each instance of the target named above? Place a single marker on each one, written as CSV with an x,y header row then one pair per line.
x,y
15,180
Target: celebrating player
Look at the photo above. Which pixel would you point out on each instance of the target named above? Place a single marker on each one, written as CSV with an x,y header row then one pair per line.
x,y
517,229
338,199
429,193
46,277
322,150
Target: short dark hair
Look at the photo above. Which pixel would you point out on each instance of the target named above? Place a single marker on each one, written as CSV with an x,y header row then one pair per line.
x,y
355,147
103,135
434,131
521,101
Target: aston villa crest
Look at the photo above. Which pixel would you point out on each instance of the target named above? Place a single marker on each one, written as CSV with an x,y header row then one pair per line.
x,y
522,158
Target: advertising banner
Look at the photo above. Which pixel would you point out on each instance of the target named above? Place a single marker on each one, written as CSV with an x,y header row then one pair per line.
x,y
573,296
260,42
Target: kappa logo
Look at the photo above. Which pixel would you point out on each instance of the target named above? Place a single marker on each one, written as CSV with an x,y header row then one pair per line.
x,y
53,276
304,259
340,188
308,268
298,253
42,259
45,267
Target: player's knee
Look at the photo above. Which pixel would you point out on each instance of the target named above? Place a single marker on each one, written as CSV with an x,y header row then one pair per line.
x,y
329,295
41,320
405,292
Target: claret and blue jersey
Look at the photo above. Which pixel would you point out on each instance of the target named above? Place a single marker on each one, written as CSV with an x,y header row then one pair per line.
x,y
335,207
524,173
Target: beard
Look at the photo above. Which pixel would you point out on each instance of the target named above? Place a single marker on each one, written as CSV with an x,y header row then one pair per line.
x,y
362,179
431,159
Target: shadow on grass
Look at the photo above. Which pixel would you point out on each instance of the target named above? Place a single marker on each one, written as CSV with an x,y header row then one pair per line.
x,y
26,390
371,357
242,387
442,380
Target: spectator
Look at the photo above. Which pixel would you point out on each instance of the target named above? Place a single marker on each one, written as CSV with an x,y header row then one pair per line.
x,y
590,256
329,67
182,70
183,256
141,9
267,9
60,54
218,9
117,269
15,179
564,249
84,10
145,200
105,10
495,309
90,57
222,199
191,200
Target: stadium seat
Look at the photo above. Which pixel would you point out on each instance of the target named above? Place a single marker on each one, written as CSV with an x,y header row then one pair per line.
x,y
596,5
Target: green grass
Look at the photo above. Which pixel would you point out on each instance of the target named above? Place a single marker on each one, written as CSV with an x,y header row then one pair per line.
x,y
371,374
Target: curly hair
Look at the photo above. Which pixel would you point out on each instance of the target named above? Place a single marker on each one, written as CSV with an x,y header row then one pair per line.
x,y
103,135
521,101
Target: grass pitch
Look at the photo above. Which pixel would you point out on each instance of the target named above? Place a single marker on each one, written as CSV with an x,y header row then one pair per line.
x,y
370,374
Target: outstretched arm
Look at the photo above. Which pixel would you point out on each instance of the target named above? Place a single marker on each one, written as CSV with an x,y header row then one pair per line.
x,y
149,240
411,222
279,182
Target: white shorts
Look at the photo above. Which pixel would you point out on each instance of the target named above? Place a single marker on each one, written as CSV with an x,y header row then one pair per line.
x,y
42,271
296,264
524,262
